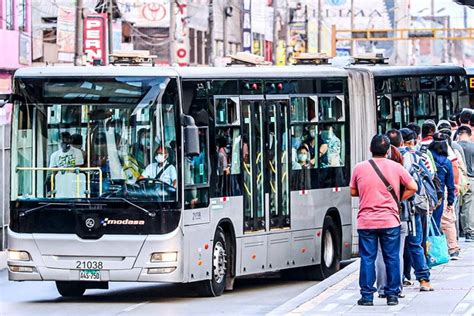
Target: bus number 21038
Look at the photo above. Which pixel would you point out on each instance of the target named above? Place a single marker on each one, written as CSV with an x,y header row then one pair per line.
x,y
89,265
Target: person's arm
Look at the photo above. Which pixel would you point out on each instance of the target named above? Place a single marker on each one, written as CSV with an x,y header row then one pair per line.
x,y
408,182
353,184
410,190
354,192
450,183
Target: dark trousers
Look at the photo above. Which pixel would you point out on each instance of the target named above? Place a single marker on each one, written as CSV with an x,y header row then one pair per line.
x,y
416,253
389,239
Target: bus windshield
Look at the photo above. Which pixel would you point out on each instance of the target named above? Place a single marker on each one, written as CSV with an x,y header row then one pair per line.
x,y
106,138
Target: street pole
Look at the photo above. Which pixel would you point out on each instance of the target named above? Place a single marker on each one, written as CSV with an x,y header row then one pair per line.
x,y
210,39
352,29
172,31
224,28
4,235
275,31
320,24
110,15
79,34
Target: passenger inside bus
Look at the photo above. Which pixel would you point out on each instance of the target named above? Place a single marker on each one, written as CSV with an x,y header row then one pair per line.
x,y
141,149
67,155
162,169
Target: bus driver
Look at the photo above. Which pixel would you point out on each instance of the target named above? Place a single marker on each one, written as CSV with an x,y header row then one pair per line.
x,y
162,169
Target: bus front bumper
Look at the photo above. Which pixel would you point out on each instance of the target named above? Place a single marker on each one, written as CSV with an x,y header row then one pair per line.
x,y
120,258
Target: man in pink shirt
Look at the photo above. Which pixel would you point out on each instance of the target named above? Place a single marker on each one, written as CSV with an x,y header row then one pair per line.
x,y
378,219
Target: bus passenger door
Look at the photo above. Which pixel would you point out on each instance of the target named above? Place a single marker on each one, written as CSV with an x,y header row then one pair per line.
x,y
277,161
253,161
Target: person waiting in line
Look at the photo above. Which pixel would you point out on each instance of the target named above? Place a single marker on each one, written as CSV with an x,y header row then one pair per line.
x,y
67,155
161,169
467,208
378,219
414,255
396,141
444,171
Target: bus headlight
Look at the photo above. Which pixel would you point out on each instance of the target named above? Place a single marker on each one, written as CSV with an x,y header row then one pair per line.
x,y
164,256
15,255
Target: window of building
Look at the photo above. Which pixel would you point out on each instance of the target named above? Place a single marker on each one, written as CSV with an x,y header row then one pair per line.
x,y
10,15
22,19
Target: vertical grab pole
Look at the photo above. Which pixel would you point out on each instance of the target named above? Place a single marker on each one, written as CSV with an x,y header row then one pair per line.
x,y
4,242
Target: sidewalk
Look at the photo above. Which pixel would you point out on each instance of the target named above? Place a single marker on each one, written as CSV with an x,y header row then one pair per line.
x,y
453,295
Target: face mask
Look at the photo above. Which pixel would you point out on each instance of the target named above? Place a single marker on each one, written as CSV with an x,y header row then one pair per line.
x,y
160,158
302,157
312,133
145,142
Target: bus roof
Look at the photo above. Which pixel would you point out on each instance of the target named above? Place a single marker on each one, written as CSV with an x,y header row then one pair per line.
x,y
276,72
102,71
394,71
185,72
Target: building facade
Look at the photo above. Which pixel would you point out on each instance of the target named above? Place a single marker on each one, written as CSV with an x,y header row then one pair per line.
x,y
15,39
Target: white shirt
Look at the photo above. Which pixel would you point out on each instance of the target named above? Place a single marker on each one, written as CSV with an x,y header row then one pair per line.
x,y
168,176
71,158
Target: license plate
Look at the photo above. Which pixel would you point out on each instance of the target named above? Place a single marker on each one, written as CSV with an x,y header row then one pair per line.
x,y
89,275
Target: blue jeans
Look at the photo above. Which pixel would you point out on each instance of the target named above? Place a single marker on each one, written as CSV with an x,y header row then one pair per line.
x,y
416,252
390,243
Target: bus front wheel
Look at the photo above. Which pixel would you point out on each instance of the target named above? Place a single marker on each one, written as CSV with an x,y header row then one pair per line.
x,y
216,285
70,289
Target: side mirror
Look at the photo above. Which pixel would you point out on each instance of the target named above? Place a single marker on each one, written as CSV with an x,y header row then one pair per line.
x,y
4,99
191,136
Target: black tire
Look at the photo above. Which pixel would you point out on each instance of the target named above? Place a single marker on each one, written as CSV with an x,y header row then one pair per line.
x,y
330,260
70,289
220,266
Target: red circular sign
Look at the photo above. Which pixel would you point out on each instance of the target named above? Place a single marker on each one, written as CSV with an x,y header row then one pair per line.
x,y
181,53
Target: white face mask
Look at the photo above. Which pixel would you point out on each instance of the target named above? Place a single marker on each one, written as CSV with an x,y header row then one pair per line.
x,y
160,158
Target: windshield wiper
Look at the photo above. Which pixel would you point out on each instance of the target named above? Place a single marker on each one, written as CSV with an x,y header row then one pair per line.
x,y
144,210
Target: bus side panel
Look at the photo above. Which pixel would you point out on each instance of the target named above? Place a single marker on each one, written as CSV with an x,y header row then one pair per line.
x,y
279,246
198,252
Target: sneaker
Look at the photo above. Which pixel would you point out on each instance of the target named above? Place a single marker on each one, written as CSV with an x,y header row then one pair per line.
x,y
469,238
392,300
454,255
425,286
408,283
365,302
400,295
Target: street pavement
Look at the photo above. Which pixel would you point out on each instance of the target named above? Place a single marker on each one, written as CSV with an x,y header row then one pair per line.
x,y
255,296
453,295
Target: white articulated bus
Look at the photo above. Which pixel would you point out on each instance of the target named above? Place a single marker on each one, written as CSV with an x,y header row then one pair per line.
x,y
149,174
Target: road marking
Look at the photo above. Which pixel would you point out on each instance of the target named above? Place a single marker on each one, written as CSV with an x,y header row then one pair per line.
x,y
346,296
330,307
461,307
331,291
132,307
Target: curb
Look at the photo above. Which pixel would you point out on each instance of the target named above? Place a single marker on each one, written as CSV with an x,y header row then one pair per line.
x,y
3,260
315,290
